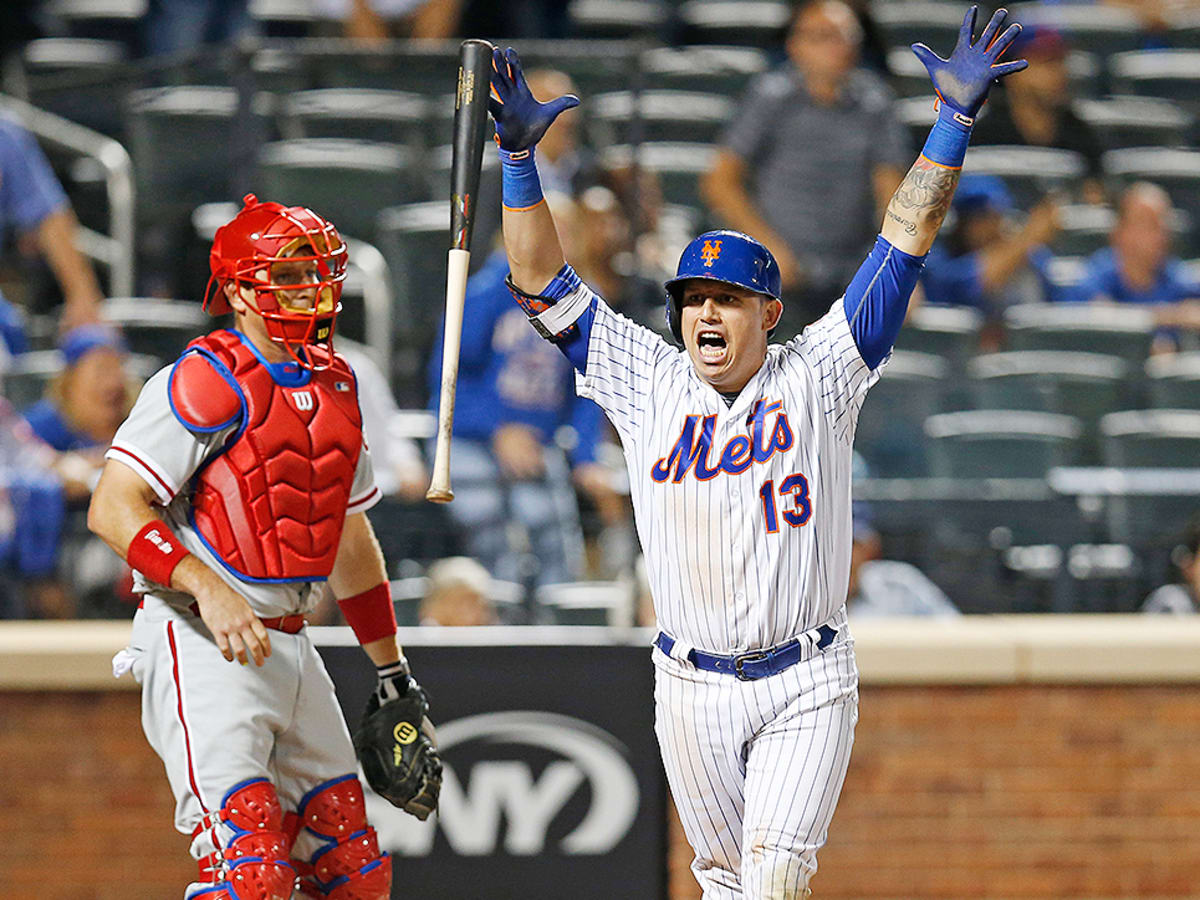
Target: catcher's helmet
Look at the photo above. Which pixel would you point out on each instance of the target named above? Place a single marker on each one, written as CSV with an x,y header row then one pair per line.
x,y
249,249
728,256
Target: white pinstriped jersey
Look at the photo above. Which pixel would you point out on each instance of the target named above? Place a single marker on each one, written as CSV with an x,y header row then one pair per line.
x,y
156,445
743,511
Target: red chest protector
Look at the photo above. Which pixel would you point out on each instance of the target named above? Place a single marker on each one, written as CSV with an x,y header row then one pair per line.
x,y
272,503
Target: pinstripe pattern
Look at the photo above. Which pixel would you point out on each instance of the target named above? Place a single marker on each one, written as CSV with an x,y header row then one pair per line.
x,y
743,512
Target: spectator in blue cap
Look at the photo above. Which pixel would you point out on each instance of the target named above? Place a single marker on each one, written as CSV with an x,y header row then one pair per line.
x,y
90,397
986,262
1033,108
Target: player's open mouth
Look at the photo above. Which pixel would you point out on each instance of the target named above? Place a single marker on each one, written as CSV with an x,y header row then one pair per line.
x,y
711,346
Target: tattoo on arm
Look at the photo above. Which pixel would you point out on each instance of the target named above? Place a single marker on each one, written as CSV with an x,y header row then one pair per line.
x,y
926,191
909,226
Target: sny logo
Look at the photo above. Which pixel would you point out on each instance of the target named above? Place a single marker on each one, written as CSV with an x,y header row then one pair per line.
x,y
737,456
710,253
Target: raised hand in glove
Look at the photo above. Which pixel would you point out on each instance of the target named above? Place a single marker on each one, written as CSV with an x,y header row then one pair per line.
x,y
963,81
396,744
520,119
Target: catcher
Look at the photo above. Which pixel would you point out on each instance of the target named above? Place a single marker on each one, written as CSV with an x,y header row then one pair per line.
x,y
236,488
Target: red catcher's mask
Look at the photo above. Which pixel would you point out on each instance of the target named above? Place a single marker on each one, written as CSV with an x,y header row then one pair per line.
x,y
294,261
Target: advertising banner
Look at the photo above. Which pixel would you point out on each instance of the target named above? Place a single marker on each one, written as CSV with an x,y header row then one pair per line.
x,y
553,786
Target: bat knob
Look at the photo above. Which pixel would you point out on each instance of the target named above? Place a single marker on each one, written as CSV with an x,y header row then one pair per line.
x,y
438,495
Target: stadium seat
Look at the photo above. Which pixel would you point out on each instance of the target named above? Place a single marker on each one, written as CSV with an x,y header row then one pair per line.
x,y
617,18
424,67
74,78
359,113
1029,172
413,239
752,23
948,332
596,67
661,115
1000,443
155,327
1122,331
347,181
889,434
1174,381
678,166
708,68
117,20
1083,229
1153,439
1183,29
1136,121
587,602
1094,27
1084,385
1170,74
284,18
1157,439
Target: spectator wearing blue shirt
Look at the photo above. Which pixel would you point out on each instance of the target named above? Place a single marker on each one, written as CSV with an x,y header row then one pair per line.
x,y
515,393
983,261
33,203
1137,266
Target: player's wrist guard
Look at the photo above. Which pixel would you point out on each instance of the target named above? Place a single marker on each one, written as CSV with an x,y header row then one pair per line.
x,y
522,187
155,551
394,681
370,614
552,319
948,140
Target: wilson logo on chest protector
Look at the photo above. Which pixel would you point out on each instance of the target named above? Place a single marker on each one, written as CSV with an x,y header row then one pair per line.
x,y
303,400
691,451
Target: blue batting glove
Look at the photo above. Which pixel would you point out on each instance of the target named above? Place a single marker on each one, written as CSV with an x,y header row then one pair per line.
x,y
520,119
962,81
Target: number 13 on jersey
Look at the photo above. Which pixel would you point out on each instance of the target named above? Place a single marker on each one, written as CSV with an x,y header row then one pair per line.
x,y
793,488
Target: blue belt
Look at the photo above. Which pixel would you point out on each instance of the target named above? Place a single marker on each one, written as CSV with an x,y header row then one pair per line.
x,y
755,664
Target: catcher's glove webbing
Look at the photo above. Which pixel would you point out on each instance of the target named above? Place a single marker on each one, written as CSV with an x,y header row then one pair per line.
x,y
396,746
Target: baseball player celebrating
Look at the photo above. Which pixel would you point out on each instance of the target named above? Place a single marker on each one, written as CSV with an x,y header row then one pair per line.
x,y
236,489
739,457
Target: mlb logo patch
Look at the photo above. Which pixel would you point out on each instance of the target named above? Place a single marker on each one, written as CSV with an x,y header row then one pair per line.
x,y
341,385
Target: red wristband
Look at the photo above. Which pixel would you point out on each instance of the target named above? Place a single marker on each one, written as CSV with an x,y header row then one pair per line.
x,y
155,551
370,614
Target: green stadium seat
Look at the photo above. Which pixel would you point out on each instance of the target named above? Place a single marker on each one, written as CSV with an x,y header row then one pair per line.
x,y
1094,27
904,22
1123,331
949,332
708,68
347,181
751,23
1028,172
678,166
1136,121
1156,439
608,19
889,434
366,114
1000,443
587,602
1169,74
76,78
657,115
1176,170
1174,381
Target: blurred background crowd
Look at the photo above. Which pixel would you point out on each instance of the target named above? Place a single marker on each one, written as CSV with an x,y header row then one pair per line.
x,y
1034,445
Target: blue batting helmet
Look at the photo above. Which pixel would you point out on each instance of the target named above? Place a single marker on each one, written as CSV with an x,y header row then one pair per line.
x,y
727,256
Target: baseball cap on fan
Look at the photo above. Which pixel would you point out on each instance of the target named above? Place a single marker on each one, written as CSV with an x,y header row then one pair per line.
x,y
981,193
1038,42
82,340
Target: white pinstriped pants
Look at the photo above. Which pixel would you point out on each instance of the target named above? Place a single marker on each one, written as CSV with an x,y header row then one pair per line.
x,y
755,767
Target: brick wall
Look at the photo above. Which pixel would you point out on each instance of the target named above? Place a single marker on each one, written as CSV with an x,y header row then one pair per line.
x,y
1060,793
1005,792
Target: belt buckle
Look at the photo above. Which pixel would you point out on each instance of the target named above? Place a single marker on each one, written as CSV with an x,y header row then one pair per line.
x,y
742,659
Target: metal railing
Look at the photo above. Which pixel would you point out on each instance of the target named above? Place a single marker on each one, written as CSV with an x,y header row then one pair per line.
x,y
116,249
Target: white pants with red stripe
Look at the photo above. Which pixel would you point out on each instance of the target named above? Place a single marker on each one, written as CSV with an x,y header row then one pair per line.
x,y
216,723
756,767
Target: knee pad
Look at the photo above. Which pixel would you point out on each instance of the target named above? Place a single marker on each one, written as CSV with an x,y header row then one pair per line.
x,y
251,860
347,865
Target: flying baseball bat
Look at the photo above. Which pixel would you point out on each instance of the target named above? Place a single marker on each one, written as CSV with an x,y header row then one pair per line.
x,y
470,120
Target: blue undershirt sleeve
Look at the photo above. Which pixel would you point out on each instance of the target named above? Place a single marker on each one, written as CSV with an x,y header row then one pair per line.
x,y
575,347
877,299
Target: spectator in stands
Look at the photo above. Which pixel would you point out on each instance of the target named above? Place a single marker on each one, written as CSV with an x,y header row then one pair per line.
x,y
1033,108
1184,597
371,22
880,587
33,202
810,160
515,393
1138,266
985,261
459,594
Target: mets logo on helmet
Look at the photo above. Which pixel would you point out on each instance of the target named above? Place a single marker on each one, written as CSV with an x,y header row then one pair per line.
x,y
710,252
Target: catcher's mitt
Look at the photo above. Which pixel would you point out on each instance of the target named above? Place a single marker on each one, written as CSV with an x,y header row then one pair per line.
x,y
396,745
